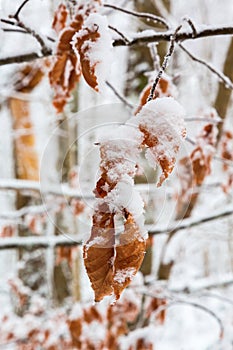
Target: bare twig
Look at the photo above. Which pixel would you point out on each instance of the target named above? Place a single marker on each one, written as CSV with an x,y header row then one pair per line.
x,y
119,33
147,16
207,120
38,242
165,63
121,98
228,83
44,49
176,302
187,223
28,57
34,186
16,15
192,26
14,30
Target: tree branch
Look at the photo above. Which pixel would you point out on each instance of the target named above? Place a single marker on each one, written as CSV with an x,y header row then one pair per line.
x,y
121,98
164,64
28,57
188,223
147,16
209,31
157,37
228,83
38,242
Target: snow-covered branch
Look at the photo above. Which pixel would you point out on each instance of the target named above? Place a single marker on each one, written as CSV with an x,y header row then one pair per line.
x,y
61,190
188,223
38,242
138,39
203,32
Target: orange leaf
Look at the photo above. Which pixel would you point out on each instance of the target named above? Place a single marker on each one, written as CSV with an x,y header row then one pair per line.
x,y
129,256
60,18
83,44
99,253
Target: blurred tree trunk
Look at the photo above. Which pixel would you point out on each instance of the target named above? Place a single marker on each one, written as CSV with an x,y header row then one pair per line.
x,y
222,100
26,168
66,274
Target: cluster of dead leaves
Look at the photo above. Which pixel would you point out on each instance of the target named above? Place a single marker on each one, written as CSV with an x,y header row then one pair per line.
x,y
71,59
111,263
76,329
194,169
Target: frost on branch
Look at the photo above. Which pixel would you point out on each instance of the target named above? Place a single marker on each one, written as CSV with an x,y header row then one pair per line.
x,y
165,88
112,262
83,47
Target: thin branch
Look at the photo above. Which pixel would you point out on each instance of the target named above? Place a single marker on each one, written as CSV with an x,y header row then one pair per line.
x,y
44,49
34,186
206,283
28,57
165,63
207,120
14,30
119,33
7,21
157,37
190,303
228,83
121,98
209,31
192,26
38,242
217,296
16,15
187,223
147,16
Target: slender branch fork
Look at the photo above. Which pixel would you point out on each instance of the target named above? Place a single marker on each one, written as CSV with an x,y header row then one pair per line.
x,y
174,301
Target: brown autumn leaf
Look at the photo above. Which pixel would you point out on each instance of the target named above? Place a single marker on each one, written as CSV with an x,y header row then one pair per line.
x,y
99,252
226,147
154,305
66,70
112,263
195,168
82,45
129,256
162,124
60,18
164,89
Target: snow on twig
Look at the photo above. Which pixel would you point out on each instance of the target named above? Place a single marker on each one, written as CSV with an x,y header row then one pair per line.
x,y
147,16
38,242
165,63
228,83
177,301
120,97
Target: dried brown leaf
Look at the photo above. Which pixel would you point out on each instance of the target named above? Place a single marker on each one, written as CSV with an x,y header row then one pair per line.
x,y
60,18
129,256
